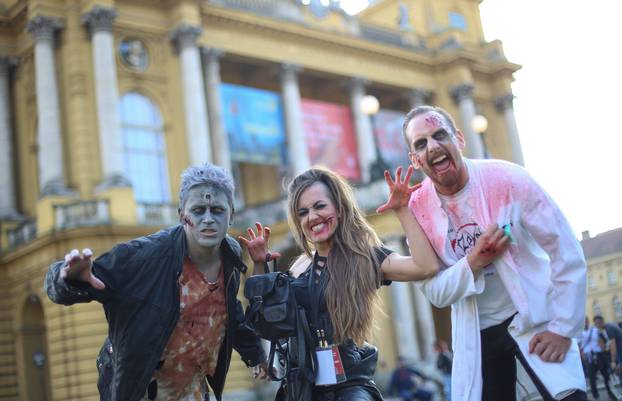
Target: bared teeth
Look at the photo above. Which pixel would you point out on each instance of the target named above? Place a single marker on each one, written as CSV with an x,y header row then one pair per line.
x,y
318,227
439,159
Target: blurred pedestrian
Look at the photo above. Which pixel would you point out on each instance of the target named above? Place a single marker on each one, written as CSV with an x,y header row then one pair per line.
x,y
444,361
404,384
615,344
594,343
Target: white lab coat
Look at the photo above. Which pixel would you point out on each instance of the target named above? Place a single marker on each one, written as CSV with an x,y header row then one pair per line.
x,y
543,271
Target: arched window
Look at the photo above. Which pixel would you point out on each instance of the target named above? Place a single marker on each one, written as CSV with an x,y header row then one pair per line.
x,y
144,149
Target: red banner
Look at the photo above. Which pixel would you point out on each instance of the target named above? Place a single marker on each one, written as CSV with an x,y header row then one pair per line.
x,y
329,133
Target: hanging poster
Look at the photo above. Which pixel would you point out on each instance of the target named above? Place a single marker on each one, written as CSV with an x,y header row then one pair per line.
x,y
389,139
329,133
253,120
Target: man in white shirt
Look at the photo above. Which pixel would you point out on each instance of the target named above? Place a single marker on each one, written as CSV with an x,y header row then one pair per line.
x,y
530,302
595,350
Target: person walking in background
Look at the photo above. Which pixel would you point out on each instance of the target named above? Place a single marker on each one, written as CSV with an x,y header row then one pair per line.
x,y
404,384
615,344
170,300
596,353
444,360
529,303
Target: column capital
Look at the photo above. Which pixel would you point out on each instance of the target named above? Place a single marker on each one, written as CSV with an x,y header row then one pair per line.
x,y
185,35
5,63
504,102
357,82
99,19
461,92
290,68
419,96
212,53
42,28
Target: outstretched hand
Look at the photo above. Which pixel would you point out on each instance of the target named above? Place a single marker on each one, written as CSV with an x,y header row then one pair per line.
x,y
79,267
257,244
399,190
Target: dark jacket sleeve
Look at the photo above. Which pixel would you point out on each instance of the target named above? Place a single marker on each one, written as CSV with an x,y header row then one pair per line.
x,y
62,291
246,342
109,268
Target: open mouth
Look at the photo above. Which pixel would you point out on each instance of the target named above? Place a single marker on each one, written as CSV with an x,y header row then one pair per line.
x,y
319,227
441,163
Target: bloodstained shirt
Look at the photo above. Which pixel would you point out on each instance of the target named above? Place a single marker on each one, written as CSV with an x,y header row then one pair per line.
x,y
192,351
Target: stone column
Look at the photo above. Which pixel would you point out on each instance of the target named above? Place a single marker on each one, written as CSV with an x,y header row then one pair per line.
x,y
50,146
197,130
296,141
367,151
99,20
419,97
8,204
221,153
505,105
425,324
403,315
463,96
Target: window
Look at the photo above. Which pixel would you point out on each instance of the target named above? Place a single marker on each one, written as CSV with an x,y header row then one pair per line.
x,y
144,150
457,21
596,308
612,277
591,283
617,307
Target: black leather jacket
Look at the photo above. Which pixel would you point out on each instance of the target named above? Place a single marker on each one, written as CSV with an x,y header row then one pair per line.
x,y
141,302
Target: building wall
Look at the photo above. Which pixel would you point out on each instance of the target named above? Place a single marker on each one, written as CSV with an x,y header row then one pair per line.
x,y
604,287
331,50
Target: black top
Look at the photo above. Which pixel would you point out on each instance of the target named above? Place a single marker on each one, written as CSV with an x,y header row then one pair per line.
x,y
310,293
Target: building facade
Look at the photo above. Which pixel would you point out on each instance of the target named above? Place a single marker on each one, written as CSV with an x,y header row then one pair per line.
x,y
603,254
104,102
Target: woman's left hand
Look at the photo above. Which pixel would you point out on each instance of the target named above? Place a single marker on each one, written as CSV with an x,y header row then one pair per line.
x,y
400,190
257,244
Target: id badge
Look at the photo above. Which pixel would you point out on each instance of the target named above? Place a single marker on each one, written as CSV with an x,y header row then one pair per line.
x,y
329,366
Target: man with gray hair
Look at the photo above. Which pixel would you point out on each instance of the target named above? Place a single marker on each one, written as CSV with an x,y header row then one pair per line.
x,y
170,300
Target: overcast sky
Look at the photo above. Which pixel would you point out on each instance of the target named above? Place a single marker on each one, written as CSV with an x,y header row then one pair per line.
x,y
568,100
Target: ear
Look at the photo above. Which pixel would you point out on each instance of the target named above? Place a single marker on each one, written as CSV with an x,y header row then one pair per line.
x,y
460,139
414,160
179,215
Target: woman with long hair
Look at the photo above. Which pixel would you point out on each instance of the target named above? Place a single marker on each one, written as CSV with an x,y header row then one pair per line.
x,y
343,265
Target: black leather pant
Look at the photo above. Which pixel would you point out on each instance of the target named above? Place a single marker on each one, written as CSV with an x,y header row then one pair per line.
x,y
349,393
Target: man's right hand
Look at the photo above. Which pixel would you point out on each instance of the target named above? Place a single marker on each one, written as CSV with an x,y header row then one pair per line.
x,y
488,247
79,267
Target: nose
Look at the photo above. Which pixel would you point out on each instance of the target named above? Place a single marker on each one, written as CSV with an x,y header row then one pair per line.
x,y
208,218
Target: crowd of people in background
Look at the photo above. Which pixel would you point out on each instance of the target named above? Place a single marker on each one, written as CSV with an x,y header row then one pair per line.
x,y
601,344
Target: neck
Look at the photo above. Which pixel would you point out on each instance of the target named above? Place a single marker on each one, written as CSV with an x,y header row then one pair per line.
x,y
203,255
323,248
461,182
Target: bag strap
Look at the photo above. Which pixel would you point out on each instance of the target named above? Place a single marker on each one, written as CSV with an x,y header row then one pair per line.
x,y
266,268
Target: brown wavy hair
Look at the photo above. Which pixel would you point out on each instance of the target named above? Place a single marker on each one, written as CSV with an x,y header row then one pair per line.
x,y
352,282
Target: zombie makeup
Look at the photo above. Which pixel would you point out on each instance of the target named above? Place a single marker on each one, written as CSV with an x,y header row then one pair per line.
x,y
206,215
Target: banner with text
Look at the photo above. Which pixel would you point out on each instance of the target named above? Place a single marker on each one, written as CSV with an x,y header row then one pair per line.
x,y
329,132
253,119
389,139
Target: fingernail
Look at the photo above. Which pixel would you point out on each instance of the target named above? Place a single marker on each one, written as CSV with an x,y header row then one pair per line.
x,y
87,252
74,253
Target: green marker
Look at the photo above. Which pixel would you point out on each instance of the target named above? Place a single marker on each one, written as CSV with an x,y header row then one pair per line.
x,y
507,231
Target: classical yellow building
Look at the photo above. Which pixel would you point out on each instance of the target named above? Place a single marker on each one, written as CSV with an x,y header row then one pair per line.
x,y
603,254
104,102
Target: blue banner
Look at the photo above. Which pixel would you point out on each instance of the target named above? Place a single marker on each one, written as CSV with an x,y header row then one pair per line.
x,y
253,119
